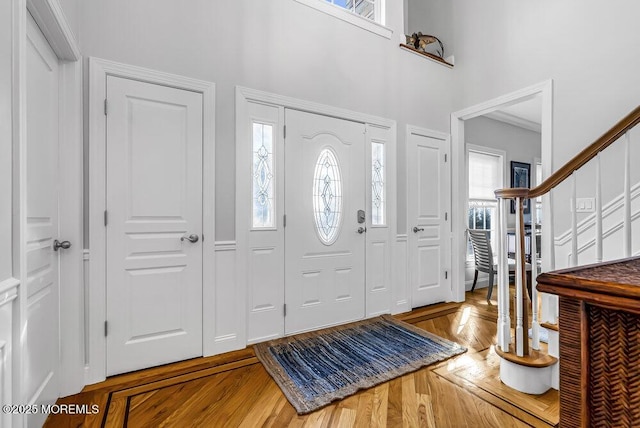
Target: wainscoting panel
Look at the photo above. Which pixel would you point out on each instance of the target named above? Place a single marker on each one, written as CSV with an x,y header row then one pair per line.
x,y
229,301
401,296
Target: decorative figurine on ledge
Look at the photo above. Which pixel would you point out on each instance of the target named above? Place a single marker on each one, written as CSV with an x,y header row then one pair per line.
x,y
421,41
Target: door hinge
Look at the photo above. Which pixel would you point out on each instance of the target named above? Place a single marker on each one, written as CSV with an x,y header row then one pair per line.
x,y
446,274
446,216
105,218
445,157
284,131
106,328
105,106
284,309
203,237
284,220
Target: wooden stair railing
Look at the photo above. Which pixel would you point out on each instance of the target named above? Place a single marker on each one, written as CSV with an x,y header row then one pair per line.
x,y
519,195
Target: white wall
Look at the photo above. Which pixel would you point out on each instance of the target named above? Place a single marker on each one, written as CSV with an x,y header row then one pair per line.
x,y
5,141
520,145
434,17
591,50
280,46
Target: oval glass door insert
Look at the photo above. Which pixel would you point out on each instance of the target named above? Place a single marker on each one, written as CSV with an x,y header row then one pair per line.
x,y
327,196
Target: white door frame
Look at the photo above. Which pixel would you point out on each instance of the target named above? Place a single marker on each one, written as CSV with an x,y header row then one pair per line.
x,y
459,178
51,20
99,70
375,126
416,130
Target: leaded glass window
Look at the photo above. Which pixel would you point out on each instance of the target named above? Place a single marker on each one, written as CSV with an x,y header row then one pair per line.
x,y
378,197
263,176
327,196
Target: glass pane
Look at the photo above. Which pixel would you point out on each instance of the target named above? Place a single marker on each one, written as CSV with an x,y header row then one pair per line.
x,y
262,176
487,218
479,219
327,196
377,184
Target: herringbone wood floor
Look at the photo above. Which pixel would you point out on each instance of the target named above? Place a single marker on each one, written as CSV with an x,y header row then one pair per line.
x,y
233,389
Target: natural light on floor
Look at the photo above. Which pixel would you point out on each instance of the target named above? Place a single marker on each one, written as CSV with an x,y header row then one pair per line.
x,y
466,313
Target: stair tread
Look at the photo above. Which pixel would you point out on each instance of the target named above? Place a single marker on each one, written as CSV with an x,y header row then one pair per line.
x,y
534,359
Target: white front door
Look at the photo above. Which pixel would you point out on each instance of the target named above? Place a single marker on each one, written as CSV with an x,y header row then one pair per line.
x,y
428,204
40,367
154,225
324,241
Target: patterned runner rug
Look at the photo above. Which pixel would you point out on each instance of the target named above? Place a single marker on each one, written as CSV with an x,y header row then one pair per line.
x,y
314,369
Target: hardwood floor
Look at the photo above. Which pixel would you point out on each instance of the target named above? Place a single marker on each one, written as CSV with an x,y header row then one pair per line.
x,y
234,390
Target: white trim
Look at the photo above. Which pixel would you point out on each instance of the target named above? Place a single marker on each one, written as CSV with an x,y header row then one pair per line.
x,y
352,18
515,121
99,69
311,107
50,17
8,285
459,186
71,220
19,202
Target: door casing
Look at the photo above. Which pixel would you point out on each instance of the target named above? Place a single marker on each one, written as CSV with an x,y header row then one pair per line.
x,y
99,69
384,295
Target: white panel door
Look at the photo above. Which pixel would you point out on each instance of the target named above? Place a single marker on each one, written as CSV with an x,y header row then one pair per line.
x,y
154,206
324,252
429,235
42,288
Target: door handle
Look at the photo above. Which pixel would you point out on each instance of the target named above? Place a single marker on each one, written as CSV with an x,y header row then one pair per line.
x,y
417,229
65,245
191,238
361,230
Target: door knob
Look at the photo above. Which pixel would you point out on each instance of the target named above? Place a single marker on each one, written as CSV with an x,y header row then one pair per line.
x,y
191,238
417,229
65,245
362,230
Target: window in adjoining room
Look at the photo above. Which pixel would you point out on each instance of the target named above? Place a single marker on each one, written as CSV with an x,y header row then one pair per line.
x,y
485,176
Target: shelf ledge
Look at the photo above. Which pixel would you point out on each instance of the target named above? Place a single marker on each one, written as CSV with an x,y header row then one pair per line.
x,y
427,55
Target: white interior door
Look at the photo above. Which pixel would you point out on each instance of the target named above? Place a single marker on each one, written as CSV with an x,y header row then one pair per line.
x,y
154,225
40,365
324,252
429,232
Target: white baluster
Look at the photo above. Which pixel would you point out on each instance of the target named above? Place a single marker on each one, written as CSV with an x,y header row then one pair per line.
x,y
504,320
598,210
574,222
520,334
535,323
627,196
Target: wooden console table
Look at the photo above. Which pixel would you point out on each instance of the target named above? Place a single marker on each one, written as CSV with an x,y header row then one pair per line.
x,y
599,329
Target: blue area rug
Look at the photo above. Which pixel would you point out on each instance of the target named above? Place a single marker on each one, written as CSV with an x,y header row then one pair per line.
x,y
314,369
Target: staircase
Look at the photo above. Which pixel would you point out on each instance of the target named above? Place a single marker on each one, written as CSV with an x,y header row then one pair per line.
x,y
525,365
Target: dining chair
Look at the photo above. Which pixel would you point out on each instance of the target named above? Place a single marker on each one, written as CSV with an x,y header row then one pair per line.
x,y
486,262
